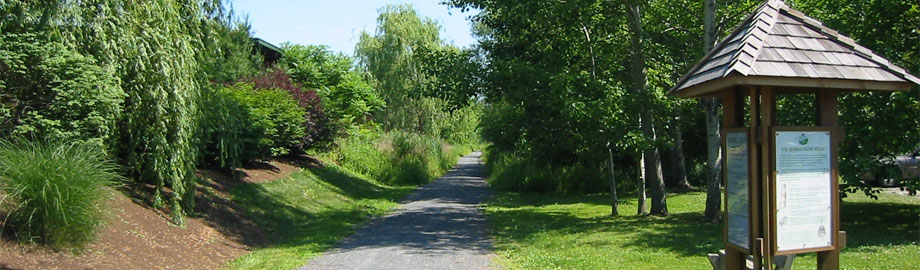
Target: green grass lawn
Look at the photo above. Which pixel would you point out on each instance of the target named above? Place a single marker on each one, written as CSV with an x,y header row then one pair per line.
x,y
576,232
309,212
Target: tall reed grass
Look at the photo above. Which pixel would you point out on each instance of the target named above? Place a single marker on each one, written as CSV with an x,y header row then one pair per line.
x,y
400,158
52,191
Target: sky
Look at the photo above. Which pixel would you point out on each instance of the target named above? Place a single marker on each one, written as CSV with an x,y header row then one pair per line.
x,y
338,23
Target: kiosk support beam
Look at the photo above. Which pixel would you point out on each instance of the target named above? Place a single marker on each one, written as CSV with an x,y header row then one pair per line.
x,y
732,117
767,121
826,116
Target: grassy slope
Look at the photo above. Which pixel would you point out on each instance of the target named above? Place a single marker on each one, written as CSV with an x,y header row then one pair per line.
x,y
309,212
575,232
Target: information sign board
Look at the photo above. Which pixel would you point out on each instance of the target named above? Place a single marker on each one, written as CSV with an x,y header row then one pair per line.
x,y
737,187
803,189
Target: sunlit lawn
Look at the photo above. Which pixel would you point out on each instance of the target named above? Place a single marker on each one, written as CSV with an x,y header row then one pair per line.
x,y
576,232
309,212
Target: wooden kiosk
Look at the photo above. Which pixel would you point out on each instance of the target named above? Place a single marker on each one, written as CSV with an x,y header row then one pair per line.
x,y
781,182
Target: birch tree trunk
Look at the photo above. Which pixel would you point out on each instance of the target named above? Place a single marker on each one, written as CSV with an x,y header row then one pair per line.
x,y
613,184
713,142
639,72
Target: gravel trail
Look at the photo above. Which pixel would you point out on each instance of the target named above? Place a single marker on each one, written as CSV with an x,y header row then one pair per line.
x,y
439,226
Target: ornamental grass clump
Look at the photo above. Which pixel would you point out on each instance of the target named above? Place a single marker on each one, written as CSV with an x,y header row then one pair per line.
x,y
52,190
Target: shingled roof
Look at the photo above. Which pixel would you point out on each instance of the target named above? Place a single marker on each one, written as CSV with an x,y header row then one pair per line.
x,y
780,46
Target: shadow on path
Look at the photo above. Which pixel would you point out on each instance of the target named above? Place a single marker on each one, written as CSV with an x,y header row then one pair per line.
x,y
439,226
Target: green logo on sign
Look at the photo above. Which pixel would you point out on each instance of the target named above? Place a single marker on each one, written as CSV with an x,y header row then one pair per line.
x,y
803,140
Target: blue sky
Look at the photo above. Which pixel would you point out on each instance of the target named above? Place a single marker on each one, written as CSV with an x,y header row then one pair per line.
x,y
338,23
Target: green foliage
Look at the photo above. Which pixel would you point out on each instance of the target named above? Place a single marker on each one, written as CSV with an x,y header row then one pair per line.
x,y
347,96
454,75
161,53
226,45
461,127
880,125
514,172
389,55
418,158
53,190
396,158
48,90
227,134
275,114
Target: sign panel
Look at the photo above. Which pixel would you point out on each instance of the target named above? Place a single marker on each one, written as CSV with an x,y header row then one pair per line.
x,y
803,190
737,185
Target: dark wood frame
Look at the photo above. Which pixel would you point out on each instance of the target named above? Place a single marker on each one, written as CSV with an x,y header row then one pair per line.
x,y
834,182
750,186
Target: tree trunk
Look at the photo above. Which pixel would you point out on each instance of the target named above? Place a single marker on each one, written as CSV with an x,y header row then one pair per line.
x,y
678,166
641,196
713,162
613,184
652,160
654,178
713,143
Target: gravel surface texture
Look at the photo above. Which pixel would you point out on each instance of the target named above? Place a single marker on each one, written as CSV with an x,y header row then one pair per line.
x,y
439,226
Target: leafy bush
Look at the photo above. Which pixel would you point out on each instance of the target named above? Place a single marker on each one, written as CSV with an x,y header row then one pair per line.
x,y
48,90
276,119
227,134
462,125
53,190
347,95
314,124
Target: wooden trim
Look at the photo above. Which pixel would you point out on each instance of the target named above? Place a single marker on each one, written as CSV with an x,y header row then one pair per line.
x,y
709,88
767,119
756,176
805,250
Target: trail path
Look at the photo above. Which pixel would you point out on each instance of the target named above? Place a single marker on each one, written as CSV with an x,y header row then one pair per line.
x,y
439,226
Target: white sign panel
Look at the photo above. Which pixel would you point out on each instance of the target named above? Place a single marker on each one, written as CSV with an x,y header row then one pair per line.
x,y
737,198
803,190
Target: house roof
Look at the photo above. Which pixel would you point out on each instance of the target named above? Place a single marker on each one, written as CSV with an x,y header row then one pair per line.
x,y
779,46
270,52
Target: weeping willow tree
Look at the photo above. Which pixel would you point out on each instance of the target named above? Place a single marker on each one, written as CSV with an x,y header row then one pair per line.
x,y
157,50
152,45
389,55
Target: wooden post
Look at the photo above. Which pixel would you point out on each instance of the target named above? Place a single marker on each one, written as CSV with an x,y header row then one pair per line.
x,y
767,120
732,117
826,116
756,179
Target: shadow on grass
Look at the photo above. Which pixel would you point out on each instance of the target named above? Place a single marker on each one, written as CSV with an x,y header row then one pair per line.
x,y
524,218
880,223
289,222
680,233
354,187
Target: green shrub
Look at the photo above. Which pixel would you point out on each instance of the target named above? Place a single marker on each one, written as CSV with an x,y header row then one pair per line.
x,y
361,153
396,158
48,90
276,114
53,190
227,136
513,172
461,126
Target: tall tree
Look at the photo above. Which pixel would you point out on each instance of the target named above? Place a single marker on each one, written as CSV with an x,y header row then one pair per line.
x,y
389,55
639,73
890,28
711,107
